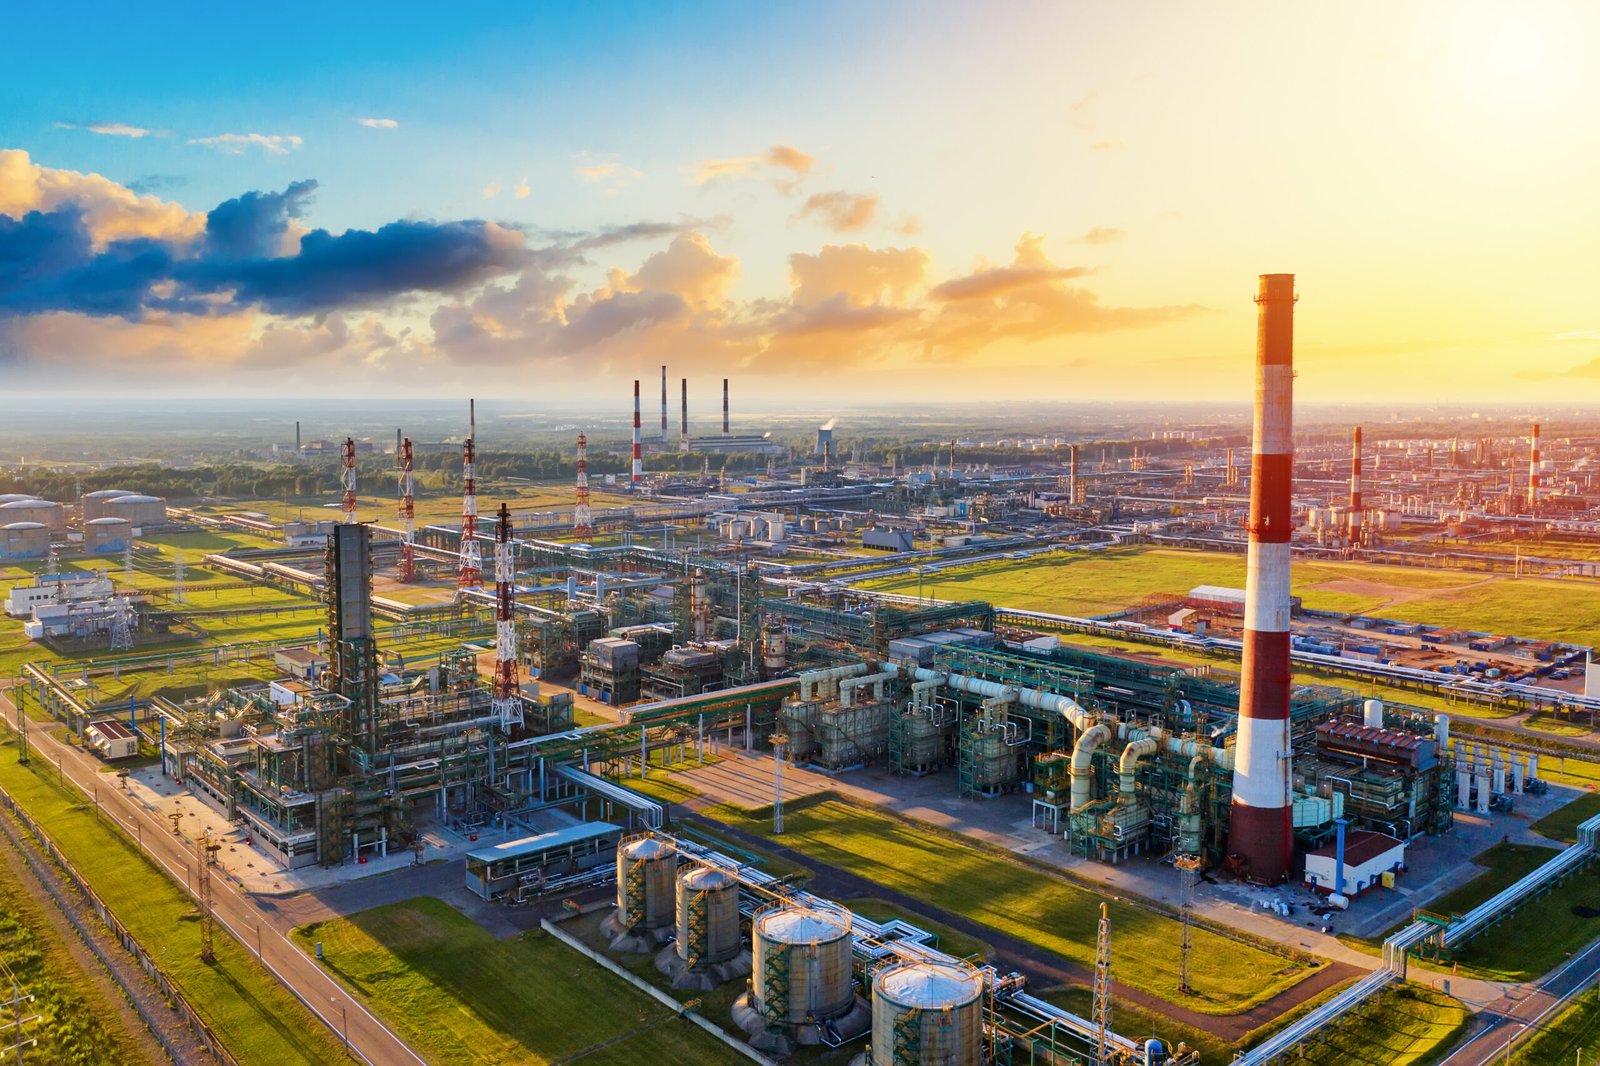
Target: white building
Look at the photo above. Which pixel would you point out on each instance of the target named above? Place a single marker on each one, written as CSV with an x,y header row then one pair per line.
x,y
1367,857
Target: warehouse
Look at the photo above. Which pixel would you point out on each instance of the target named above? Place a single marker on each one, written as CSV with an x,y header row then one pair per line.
x,y
1367,857
112,740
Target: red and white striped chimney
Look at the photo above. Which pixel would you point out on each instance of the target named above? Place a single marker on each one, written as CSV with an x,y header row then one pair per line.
x,y
1533,472
1261,831
638,454
724,407
1355,487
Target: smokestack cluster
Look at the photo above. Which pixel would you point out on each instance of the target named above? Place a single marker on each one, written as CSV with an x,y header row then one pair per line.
x,y
1261,831
638,454
1355,487
724,407
1533,472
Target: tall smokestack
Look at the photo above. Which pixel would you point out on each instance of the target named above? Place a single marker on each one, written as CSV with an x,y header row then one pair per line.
x,y
1355,487
297,452
1533,472
683,426
638,455
663,407
1261,833
724,407
1072,475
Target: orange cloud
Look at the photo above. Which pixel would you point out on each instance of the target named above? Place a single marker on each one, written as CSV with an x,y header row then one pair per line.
x,y
840,211
780,157
111,211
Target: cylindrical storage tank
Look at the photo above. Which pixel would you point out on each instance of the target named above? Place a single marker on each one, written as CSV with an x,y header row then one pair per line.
x,y
140,510
927,1014
802,964
1372,714
92,505
24,540
107,534
13,497
708,916
1441,732
645,869
31,510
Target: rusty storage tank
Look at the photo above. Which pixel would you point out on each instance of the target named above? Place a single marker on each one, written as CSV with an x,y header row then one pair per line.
x,y
92,505
802,964
927,1014
645,871
708,916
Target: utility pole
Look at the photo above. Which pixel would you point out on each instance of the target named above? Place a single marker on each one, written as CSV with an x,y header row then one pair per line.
x,y
18,1041
1102,989
17,696
205,854
1189,870
780,744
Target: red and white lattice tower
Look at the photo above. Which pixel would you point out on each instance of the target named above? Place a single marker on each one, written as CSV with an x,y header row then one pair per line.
x,y
470,573
347,481
507,706
406,512
1261,832
582,518
638,453
1533,472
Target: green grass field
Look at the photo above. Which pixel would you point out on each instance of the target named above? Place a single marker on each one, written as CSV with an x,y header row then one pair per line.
x,y
1407,1027
1540,935
1008,896
1562,824
458,995
76,1026
257,1018
1094,583
1572,1036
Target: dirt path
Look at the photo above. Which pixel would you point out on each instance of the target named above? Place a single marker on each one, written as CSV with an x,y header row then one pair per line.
x,y
1043,969
115,977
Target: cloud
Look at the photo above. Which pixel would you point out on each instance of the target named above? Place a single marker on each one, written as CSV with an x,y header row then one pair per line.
x,y
861,275
1106,146
609,173
987,284
491,190
790,164
1103,235
235,143
110,211
108,129
378,123
152,183
258,224
840,211
522,190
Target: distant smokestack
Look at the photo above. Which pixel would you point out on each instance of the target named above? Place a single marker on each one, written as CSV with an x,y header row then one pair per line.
x,y
1533,472
1355,487
297,440
663,406
638,455
1072,475
683,426
724,407
1261,833
397,440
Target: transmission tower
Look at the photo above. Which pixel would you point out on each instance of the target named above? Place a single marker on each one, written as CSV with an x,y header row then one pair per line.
x,y
507,706
178,593
470,573
121,623
582,518
406,511
347,481
1102,989
1188,867
205,855
52,564
780,744
18,1019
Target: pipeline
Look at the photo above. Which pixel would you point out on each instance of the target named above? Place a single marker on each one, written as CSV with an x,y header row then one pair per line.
x,y
811,679
1128,765
849,686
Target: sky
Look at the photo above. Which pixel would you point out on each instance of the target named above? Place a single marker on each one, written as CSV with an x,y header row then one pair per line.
x,y
919,201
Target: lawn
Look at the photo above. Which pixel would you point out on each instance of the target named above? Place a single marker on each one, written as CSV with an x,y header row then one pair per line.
x,y
1086,584
75,1025
1540,934
458,995
1030,904
1561,1040
1410,1025
259,1020
1562,824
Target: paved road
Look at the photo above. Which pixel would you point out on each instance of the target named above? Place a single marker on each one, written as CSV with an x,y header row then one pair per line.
x,y
261,925
1518,1014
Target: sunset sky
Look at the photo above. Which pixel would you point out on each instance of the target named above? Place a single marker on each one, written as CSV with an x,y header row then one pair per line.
x,y
1051,201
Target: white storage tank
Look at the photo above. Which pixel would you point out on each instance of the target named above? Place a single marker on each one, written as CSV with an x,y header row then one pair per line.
x,y
801,965
927,1014
24,540
107,534
33,510
92,505
645,870
708,916
139,510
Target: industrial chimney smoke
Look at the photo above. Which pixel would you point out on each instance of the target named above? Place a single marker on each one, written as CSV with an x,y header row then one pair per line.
x,y
1260,834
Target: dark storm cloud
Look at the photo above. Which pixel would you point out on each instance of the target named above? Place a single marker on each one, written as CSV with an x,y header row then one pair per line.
x,y
48,262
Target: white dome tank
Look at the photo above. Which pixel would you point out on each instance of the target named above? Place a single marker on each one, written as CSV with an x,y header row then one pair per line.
x,y
645,869
927,1014
708,916
802,964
